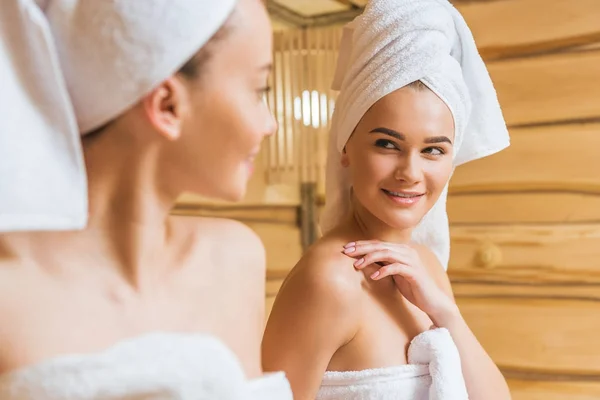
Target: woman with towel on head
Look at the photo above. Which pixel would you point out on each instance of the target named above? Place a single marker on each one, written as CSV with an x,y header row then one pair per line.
x,y
368,312
121,106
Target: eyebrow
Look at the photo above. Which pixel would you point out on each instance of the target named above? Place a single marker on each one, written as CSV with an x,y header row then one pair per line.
x,y
266,67
400,136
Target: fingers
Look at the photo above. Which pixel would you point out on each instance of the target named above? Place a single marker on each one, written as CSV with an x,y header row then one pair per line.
x,y
402,270
365,246
386,256
380,252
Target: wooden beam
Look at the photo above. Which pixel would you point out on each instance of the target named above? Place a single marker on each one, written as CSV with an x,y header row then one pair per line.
x,y
512,27
521,207
548,337
557,253
280,12
527,389
560,158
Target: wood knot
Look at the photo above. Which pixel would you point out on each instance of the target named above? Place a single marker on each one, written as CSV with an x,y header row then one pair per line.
x,y
489,255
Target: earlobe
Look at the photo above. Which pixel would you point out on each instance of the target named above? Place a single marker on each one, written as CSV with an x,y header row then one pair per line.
x,y
165,107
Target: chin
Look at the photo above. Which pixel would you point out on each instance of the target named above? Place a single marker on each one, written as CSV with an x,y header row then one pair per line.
x,y
401,220
233,195
233,192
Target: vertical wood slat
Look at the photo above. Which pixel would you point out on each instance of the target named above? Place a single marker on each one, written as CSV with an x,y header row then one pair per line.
x,y
288,100
301,100
276,157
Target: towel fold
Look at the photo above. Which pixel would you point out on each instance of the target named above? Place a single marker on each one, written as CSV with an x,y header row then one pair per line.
x,y
433,373
436,349
390,45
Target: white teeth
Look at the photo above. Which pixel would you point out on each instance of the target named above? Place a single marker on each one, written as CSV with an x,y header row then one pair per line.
x,y
404,195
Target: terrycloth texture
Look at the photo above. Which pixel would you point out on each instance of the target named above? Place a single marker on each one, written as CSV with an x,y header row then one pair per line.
x,y
434,373
160,366
394,43
70,66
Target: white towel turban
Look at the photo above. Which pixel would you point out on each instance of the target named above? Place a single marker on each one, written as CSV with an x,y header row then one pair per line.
x,y
68,67
394,43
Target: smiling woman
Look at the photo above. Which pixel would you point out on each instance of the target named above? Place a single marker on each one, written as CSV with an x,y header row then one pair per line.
x,y
401,150
352,319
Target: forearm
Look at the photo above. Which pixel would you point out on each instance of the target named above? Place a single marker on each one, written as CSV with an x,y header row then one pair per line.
x,y
483,378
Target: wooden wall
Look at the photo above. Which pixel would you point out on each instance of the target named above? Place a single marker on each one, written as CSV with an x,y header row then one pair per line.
x,y
525,223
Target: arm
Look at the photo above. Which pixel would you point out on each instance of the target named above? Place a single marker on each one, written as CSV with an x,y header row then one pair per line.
x,y
422,280
482,377
315,314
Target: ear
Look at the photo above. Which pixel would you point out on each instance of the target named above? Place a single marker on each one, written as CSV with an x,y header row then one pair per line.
x,y
345,161
166,107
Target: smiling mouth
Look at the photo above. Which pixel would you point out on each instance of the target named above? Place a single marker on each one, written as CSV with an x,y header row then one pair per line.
x,y
403,195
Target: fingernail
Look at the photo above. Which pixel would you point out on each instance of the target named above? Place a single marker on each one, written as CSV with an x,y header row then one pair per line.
x,y
358,262
375,275
351,244
349,250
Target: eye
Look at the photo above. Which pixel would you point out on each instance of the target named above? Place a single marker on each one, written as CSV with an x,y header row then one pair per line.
x,y
386,144
434,151
263,92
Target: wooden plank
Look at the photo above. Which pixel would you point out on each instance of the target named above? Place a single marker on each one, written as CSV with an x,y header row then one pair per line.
x,y
536,390
532,253
548,89
562,157
523,207
267,213
535,25
553,337
506,288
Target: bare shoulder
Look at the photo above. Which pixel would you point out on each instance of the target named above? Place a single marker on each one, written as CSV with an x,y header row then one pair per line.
x,y
317,311
227,241
326,276
434,267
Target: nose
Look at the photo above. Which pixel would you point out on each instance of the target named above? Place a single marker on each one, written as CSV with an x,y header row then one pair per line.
x,y
272,125
409,169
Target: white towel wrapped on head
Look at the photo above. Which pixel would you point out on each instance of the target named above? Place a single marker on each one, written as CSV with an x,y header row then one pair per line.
x,y
70,66
392,44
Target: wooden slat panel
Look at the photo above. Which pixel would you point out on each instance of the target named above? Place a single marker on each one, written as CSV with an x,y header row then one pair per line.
x,y
532,390
276,214
547,253
560,87
560,157
545,336
522,207
535,25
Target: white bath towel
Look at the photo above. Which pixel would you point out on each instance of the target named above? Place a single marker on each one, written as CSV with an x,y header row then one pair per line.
x,y
436,349
158,366
68,67
394,43
433,373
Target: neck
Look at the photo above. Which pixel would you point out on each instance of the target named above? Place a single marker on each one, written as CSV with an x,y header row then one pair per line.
x,y
129,204
372,228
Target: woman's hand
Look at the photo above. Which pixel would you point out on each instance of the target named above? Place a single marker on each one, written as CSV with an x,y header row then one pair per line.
x,y
403,263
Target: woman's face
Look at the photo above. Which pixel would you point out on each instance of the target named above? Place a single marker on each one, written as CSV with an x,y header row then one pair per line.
x,y
400,156
228,117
